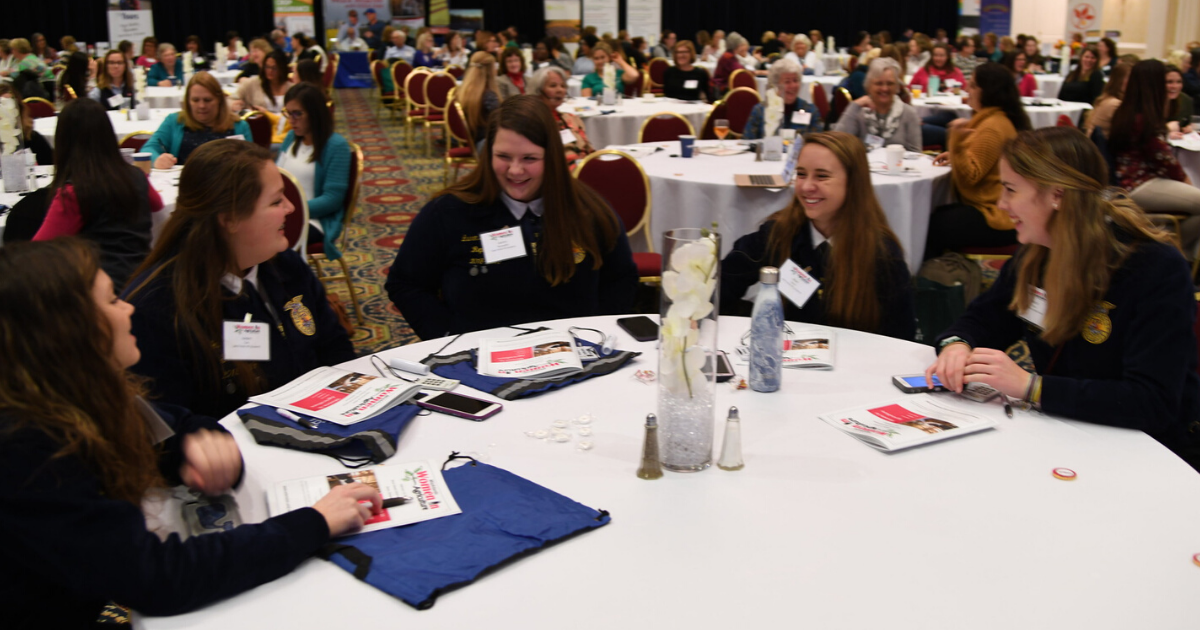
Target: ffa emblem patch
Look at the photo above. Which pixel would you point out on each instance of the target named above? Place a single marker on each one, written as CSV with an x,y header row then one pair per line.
x,y
301,317
1098,326
579,253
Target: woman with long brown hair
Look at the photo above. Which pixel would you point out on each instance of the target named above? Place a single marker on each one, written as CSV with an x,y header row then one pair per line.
x,y
80,449
114,83
223,256
572,257
1101,297
835,229
1085,83
479,93
1109,100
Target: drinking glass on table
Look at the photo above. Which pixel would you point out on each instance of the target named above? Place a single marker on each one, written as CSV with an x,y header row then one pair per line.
x,y
721,128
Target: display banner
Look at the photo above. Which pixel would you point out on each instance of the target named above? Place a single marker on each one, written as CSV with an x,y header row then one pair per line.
x,y
995,16
1083,17
131,20
439,12
643,18
605,15
295,16
562,19
968,17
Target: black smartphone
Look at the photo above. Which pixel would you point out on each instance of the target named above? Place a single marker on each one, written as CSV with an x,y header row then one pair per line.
x,y
724,367
641,327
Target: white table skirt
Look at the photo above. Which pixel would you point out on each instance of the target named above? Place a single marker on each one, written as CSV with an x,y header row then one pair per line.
x,y
1190,161
623,126
122,125
815,525
696,192
1040,116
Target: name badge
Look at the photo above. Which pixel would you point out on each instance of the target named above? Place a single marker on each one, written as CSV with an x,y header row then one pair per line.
x,y
567,136
801,117
873,140
116,100
502,244
1036,313
236,136
795,284
691,84
247,341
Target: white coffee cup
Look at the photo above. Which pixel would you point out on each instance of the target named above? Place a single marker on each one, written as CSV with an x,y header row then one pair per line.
x,y
895,157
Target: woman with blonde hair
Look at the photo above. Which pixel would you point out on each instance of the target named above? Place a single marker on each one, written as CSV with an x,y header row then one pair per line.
x,y
836,229
603,55
205,117
479,93
1102,298
80,449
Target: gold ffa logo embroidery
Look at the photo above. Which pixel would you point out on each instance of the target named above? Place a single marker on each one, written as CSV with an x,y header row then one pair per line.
x,y
1098,326
302,318
580,254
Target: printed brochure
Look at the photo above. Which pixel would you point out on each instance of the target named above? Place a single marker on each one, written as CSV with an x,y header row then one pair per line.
x,y
339,396
908,421
543,355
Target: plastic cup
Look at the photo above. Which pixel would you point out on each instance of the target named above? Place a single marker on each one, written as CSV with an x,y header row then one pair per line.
x,y
687,146
895,157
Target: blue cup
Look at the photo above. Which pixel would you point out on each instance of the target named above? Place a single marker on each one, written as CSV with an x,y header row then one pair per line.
x,y
687,145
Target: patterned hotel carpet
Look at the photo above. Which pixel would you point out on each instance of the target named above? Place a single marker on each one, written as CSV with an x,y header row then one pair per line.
x,y
396,183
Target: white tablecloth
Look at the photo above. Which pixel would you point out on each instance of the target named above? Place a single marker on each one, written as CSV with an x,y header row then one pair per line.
x,y
1190,161
122,126
1049,84
172,97
225,77
696,192
817,531
165,182
623,125
1040,116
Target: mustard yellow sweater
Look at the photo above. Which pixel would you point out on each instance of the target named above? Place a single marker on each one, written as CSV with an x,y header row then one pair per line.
x,y
975,163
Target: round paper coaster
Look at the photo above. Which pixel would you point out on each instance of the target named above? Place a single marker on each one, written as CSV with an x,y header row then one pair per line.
x,y
1066,474
1196,559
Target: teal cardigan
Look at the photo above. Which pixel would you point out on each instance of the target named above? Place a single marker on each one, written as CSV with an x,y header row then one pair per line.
x,y
158,72
330,181
170,134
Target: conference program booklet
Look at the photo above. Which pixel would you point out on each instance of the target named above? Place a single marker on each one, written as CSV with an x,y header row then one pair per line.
x,y
548,354
808,349
416,490
911,420
339,396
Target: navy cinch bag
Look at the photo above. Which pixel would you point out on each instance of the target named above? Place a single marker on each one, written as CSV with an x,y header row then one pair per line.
x,y
461,366
368,442
504,517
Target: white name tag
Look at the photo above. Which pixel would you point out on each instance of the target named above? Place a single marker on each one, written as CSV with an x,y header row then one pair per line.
x,y
801,117
502,244
116,100
247,341
567,136
691,84
795,284
1036,314
237,136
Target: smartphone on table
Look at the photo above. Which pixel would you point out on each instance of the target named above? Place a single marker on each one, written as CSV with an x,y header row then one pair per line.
x,y
916,383
458,405
641,328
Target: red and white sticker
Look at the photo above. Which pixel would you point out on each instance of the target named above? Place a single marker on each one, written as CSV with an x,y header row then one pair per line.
x,y
1196,559
1066,474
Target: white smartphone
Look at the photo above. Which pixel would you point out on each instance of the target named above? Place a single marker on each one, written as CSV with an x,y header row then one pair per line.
x,y
459,405
916,383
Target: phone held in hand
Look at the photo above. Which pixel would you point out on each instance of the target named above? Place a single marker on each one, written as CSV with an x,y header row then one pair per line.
x,y
641,328
916,384
459,405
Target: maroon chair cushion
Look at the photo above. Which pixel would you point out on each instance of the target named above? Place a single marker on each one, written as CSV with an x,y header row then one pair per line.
x,y
739,105
620,182
461,152
648,264
746,80
260,129
664,128
820,99
293,224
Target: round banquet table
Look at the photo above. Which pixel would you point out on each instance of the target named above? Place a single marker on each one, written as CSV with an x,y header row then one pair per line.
x,y
225,77
122,126
700,190
165,182
172,97
1189,159
816,523
1040,116
623,125
1049,84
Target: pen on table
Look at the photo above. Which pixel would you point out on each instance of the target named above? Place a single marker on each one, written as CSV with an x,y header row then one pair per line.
x,y
295,418
1007,405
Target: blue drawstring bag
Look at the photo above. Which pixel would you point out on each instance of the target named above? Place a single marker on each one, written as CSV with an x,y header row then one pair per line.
x,y
460,366
368,442
504,518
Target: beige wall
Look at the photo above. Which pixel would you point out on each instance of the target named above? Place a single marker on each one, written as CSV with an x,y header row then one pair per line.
x,y
1047,20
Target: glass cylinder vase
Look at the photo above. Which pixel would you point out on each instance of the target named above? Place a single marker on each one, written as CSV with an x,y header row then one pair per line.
x,y
687,348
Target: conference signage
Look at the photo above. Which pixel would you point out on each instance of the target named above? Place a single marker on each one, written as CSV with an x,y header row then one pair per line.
x,y
131,20
1083,17
295,16
995,16
562,19
605,15
643,18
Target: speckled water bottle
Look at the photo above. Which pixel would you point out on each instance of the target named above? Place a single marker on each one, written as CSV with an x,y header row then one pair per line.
x,y
766,333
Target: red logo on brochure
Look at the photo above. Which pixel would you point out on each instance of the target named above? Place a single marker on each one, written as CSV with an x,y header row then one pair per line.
x,y
505,356
895,413
320,400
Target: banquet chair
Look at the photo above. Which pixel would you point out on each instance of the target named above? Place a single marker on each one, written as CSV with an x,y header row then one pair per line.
x,y
455,71
656,70
330,105
719,110
415,107
738,103
665,126
70,94
330,73
458,131
619,178
372,55
634,89
820,100
295,224
316,252
136,140
386,99
743,78
260,128
1064,121
437,98
841,100
40,107
400,71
